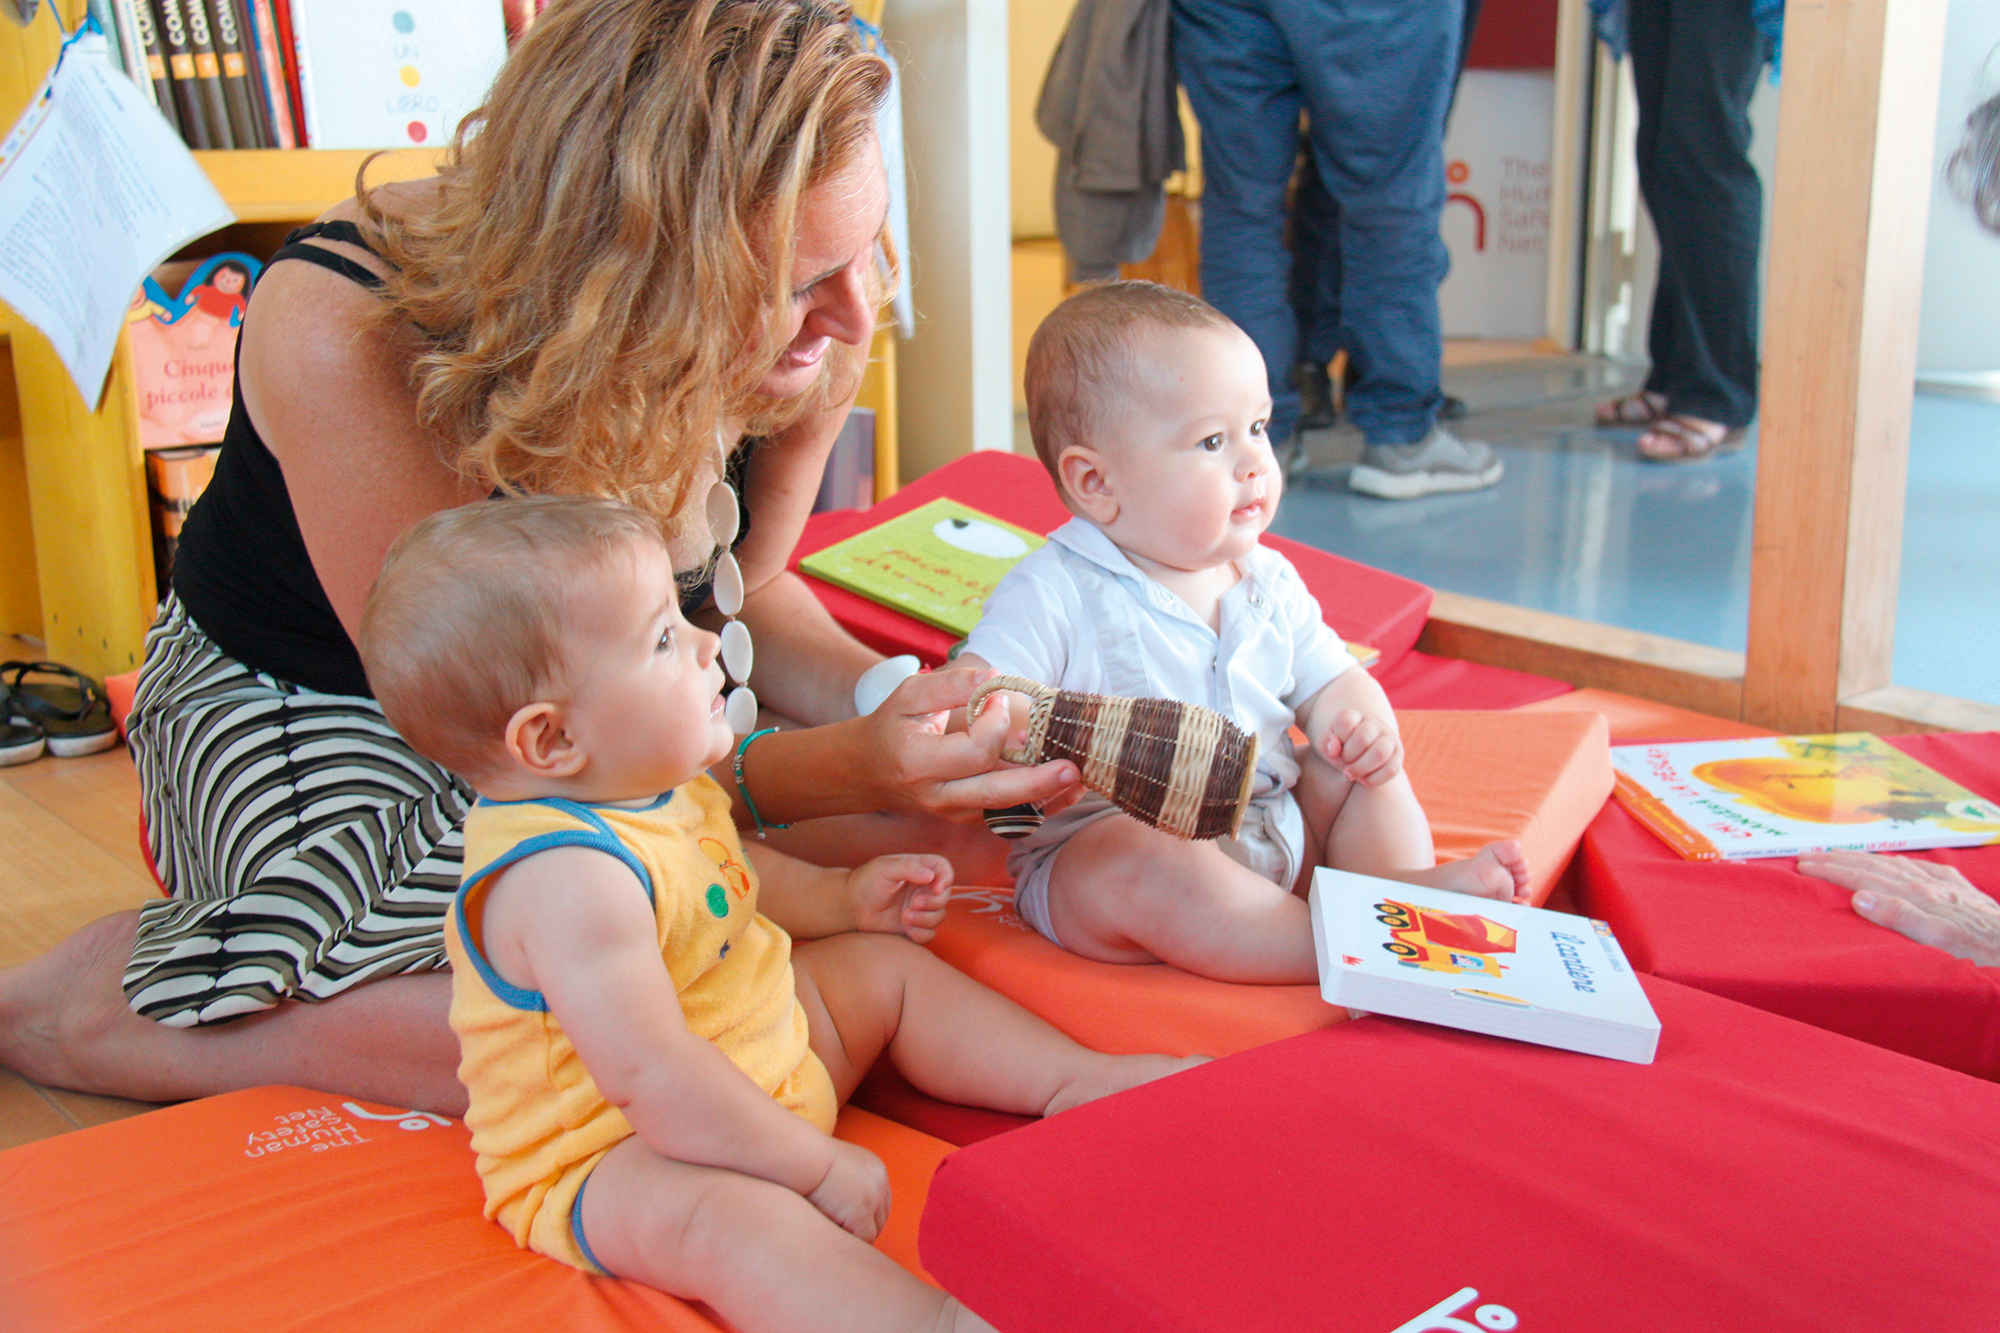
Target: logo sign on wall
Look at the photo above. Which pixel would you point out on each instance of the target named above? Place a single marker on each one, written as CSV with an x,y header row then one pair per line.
x,y
1496,213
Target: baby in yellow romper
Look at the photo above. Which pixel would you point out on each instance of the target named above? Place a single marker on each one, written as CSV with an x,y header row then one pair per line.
x,y
632,1013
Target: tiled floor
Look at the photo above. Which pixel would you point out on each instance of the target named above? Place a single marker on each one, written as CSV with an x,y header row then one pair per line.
x,y
1580,526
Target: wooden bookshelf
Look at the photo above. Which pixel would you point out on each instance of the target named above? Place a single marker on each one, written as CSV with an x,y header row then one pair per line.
x,y
76,554
80,577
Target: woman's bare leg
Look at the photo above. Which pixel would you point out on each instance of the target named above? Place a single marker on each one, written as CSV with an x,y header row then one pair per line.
x,y
64,1022
758,1254
947,1034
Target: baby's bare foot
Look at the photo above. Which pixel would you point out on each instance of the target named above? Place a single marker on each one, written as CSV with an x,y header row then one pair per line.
x,y
1498,871
1115,1073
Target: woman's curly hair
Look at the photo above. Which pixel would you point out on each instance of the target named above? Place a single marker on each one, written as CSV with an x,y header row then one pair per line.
x,y
606,273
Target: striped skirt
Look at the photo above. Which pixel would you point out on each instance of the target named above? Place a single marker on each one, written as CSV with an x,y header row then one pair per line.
x,y
305,847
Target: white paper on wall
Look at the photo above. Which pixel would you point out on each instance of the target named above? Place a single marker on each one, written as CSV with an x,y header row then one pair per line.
x,y
95,189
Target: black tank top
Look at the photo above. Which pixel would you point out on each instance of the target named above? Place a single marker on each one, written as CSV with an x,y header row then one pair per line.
x,y
242,569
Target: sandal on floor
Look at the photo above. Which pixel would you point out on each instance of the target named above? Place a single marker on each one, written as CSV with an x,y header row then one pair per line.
x,y
21,738
1693,438
1634,409
68,706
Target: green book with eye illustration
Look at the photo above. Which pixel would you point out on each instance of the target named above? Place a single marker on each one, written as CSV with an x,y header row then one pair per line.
x,y
938,563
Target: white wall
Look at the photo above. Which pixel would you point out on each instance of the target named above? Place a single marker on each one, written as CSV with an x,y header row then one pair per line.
x,y
1959,330
954,391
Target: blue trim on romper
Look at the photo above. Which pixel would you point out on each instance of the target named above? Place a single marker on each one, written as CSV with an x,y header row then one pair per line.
x,y
576,1227
598,837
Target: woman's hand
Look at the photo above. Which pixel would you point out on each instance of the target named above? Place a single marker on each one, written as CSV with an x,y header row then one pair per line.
x,y
1931,903
923,767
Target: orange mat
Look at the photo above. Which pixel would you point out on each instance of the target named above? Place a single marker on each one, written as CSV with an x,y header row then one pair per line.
x,y
282,1209
1481,776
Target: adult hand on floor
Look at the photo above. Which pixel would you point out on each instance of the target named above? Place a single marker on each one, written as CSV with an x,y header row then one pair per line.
x,y
1932,904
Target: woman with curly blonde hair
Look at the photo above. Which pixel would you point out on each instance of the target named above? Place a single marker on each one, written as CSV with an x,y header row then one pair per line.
x,y
649,265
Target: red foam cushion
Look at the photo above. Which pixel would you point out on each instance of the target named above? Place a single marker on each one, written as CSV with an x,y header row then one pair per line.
x,y
1761,1175
1420,680
1760,932
282,1209
1634,721
118,692
1363,605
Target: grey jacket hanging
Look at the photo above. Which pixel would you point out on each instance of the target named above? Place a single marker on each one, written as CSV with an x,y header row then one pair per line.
x,y
1110,105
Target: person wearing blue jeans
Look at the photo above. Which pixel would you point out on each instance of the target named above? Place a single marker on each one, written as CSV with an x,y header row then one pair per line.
x,y
1373,78
1315,244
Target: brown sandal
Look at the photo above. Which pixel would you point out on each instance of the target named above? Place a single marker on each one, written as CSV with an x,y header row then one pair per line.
x,y
1634,409
1693,439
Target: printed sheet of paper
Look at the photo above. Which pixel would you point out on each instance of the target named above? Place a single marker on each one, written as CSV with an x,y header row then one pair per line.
x,y
95,189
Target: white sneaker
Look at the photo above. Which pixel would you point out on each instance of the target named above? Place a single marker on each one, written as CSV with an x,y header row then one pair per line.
x,y
1438,463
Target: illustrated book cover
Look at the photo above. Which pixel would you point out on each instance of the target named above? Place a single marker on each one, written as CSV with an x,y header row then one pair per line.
x,y
393,73
938,563
1504,969
1783,795
184,348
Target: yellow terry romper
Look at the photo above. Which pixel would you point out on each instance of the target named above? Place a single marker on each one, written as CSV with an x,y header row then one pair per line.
x,y
538,1122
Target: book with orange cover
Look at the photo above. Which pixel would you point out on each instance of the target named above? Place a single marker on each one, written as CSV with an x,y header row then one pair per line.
x,y
1784,795
184,348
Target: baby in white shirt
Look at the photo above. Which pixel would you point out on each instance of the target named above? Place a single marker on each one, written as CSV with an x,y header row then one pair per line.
x,y
1149,407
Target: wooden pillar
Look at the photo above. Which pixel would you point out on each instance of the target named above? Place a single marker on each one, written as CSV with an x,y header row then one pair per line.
x,y
1856,126
954,390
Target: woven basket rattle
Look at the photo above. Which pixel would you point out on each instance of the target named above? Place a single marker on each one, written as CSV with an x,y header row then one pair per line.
x,y
1179,767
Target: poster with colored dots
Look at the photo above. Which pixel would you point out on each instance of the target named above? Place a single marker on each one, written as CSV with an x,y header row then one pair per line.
x,y
394,73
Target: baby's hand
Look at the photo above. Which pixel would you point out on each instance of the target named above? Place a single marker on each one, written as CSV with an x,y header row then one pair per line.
x,y
902,894
855,1192
1363,748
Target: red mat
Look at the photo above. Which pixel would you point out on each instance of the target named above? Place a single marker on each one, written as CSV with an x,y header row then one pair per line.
x,y
1760,932
1421,681
1388,1177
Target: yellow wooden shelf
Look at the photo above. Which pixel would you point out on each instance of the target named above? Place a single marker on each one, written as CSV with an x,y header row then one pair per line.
x,y
294,184
78,574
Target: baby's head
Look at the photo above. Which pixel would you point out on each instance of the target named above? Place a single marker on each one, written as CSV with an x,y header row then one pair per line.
x,y
1149,408
536,648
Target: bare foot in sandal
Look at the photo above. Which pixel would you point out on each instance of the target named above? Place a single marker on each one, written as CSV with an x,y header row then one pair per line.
x,y
1634,409
1676,438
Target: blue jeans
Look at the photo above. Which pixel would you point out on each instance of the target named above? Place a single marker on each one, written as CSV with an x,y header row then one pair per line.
x,y
1373,78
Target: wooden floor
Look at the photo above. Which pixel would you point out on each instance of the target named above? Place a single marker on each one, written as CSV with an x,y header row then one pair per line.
x,y
69,853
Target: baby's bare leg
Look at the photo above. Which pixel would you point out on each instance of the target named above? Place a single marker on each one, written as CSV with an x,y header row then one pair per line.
x,y
765,1259
1125,893
1383,831
949,1035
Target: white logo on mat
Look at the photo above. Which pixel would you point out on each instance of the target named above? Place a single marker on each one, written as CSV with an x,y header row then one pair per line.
x,y
403,1119
1439,1318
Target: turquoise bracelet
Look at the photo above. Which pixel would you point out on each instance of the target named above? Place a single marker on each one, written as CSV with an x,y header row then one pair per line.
x,y
736,767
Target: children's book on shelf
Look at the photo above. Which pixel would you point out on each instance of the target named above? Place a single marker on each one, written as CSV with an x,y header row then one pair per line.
x,y
849,479
1504,969
938,563
1783,795
175,479
393,73
183,346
